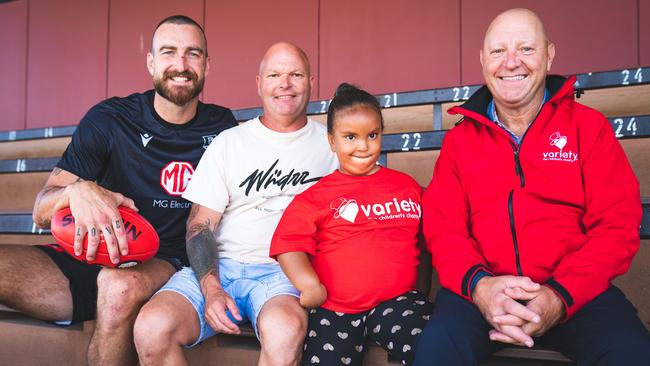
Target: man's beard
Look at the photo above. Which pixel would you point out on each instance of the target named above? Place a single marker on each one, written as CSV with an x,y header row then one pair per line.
x,y
176,94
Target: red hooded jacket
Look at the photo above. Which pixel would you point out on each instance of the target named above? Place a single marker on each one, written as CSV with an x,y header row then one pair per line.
x,y
562,208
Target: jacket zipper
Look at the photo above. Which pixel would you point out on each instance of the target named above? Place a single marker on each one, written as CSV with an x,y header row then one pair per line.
x,y
522,182
514,233
518,170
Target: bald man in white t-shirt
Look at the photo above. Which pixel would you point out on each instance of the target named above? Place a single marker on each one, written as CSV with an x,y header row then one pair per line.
x,y
244,181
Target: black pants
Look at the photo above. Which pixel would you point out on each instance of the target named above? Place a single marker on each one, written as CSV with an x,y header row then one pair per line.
x,y
82,278
606,331
340,339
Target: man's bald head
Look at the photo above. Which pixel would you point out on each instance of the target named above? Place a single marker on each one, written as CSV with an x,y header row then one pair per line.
x,y
180,20
286,48
516,56
521,16
284,83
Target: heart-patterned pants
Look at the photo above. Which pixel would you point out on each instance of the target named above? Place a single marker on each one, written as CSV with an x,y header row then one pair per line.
x,y
340,339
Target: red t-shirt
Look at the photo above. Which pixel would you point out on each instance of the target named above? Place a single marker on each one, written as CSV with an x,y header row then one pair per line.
x,y
361,233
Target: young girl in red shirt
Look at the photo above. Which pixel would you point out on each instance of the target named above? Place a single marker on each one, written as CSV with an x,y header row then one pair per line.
x,y
349,244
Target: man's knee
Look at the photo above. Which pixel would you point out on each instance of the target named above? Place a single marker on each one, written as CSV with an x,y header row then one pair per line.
x,y
168,320
282,328
120,294
456,333
153,330
438,334
445,343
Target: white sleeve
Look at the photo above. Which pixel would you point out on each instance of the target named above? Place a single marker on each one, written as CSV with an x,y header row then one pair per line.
x,y
208,186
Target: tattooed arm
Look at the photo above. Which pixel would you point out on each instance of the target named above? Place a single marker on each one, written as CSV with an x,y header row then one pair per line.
x,y
93,207
52,198
203,253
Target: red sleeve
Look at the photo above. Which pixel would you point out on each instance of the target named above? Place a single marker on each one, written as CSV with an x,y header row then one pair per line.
x,y
296,231
611,221
454,253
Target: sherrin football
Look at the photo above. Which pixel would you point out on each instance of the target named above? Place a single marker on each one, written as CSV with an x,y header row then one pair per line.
x,y
142,239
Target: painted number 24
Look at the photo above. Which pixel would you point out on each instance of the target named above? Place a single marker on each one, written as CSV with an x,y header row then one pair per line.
x,y
630,127
637,76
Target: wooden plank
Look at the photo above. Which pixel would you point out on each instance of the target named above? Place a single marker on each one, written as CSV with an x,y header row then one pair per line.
x,y
621,101
417,164
26,239
535,353
636,282
28,149
638,153
19,190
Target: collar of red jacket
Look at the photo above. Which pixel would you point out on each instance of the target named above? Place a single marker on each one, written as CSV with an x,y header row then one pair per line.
x,y
559,88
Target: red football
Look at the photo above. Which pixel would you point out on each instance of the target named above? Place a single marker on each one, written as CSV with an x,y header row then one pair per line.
x,y
141,236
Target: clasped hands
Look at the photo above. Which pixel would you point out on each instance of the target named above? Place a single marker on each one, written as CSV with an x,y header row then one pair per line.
x,y
517,308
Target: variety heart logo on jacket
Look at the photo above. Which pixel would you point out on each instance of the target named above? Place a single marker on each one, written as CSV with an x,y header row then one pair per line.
x,y
559,141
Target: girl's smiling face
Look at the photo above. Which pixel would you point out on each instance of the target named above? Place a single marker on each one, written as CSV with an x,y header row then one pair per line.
x,y
356,140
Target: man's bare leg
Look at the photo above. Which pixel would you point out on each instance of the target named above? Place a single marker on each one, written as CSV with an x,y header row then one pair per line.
x,y
33,284
282,325
165,324
121,294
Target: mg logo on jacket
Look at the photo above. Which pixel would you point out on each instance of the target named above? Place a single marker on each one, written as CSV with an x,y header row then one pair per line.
x,y
175,176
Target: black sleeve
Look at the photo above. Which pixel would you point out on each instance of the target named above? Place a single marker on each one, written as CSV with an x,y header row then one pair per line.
x,y
229,119
89,150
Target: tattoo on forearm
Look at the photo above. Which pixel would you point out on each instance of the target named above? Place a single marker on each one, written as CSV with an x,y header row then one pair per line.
x,y
194,210
46,191
202,250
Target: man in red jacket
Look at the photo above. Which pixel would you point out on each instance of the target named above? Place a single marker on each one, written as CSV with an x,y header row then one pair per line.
x,y
532,211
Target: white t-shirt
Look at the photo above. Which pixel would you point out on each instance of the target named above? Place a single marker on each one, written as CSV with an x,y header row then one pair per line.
x,y
250,174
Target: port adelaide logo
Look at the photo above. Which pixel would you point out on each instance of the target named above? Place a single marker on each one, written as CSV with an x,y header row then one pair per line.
x,y
175,176
207,140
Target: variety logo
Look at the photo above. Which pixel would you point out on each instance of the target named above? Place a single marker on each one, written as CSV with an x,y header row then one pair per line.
x,y
393,209
345,209
146,137
175,177
559,141
207,140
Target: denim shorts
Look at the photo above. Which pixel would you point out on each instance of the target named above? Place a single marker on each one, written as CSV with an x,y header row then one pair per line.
x,y
249,285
